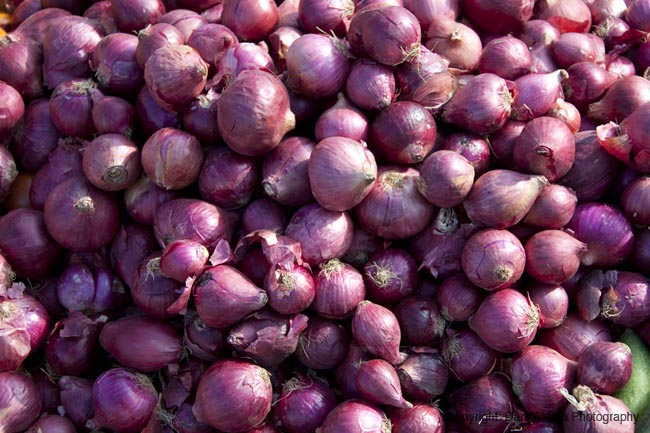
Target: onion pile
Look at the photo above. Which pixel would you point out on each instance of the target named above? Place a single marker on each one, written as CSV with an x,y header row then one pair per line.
x,y
321,216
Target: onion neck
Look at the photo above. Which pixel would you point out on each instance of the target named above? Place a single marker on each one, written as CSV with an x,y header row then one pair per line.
x,y
454,349
392,180
331,267
383,275
153,268
85,205
7,310
116,174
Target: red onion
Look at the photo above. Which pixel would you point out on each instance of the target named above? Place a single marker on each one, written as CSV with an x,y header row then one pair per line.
x,y
486,405
420,319
421,418
377,382
506,56
55,423
92,215
390,276
641,59
76,399
346,371
123,401
339,289
151,116
536,94
27,245
303,404
390,35
569,16
423,375
641,253
627,302
285,172
175,74
185,20
638,15
212,41
502,198
200,118
67,47
497,17
7,277
20,66
8,172
370,85
250,20
574,47
574,335
343,120
634,199
502,142
223,403
204,342
71,107
131,245
20,402
323,345
353,416
538,375
422,76
553,208
36,138
551,300
223,296
290,288
48,390
587,83
394,208
288,11
264,214
446,178
154,294
332,16
158,343
403,133
458,298
426,11
568,113
588,412
626,141
111,162
143,199
493,259
623,97
131,16
553,256
156,36
506,321
252,121
455,41
112,114
73,345
24,327
242,57
228,179
27,8
281,39
603,9
467,356
605,367
376,329
182,259
488,99
114,62
101,12
35,25
474,148
606,231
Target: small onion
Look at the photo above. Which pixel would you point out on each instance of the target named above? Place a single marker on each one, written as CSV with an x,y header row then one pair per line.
x,y
420,319
304,404
71,106
185,20
290,288
423,375
153,37
112,114
370,85
264,214
390,276
37,137
143,199
377,382
467,356
111,162
553,208
131,245
152,116
242,57
584,402
605,367
153,293
421,418
250,20
536,94
474,148
339,289
455,41
114,62
574,47
627,302
344,120
200,118
634,201
574,334
183,258
19,401
76,399
212,40
331,16
621,99
20,65
324,344
446,178
131,16
376,330
353,416
552,301
495,16
506,56
285,172
24,329
553,256
458,298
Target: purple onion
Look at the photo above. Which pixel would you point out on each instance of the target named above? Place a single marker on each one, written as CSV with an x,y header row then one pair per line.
x,y
114,62
339,289
467,356
423,375
323,345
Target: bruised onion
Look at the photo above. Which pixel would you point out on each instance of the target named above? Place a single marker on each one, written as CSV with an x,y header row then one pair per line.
x,y
553,256
20,401
506,321
467,356
92,215
324,344
339,289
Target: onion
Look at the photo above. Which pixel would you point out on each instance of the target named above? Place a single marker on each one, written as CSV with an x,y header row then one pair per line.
x,y
423,375
92,215
588,412
370,85
27,245
290,288
159,341
426,11
24,324
376,330
403,133
553,208
377,382
568,113
627,302
390,275
640,253
419,73
111,162
420,319
20,66
114,62
390,35
76,399
252,121
587,83
605,367
568,16
355,415
506,56
623,97
285,172
638,15
151,116
553,256
122,400
156,36
536,94
501,198
154,294
36,138
551,300
467,356
131,245
143,199
266,337
25,9
7,277
56,423
317,66
242,57
634,199
71,107
455,41
19,401
474,148
489,100
574,335
538,375
223,296
332,16
8,172
185,20
486,405
250,20
264,214
346,371
458,298
339,289
323,345
420,418
212,41
281,39
131,16
394,208
304,404
67,47
35,25
73,345
575,47
112,114
497,17
343,120
102,13
182,259
228,179
506,321
502,142
493,259
446,178
223,403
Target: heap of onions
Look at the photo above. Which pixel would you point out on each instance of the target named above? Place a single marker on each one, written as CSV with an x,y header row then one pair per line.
x,y
321,216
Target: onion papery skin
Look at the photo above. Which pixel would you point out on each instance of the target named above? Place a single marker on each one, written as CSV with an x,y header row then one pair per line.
x,y
394,208
223,403
123,401
153,293
19,401
24,323
403,133
506,321
501,198
627,302
290,288
493,259
585,401
317,66
538,375
93,215
341,171
252,122
606,231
